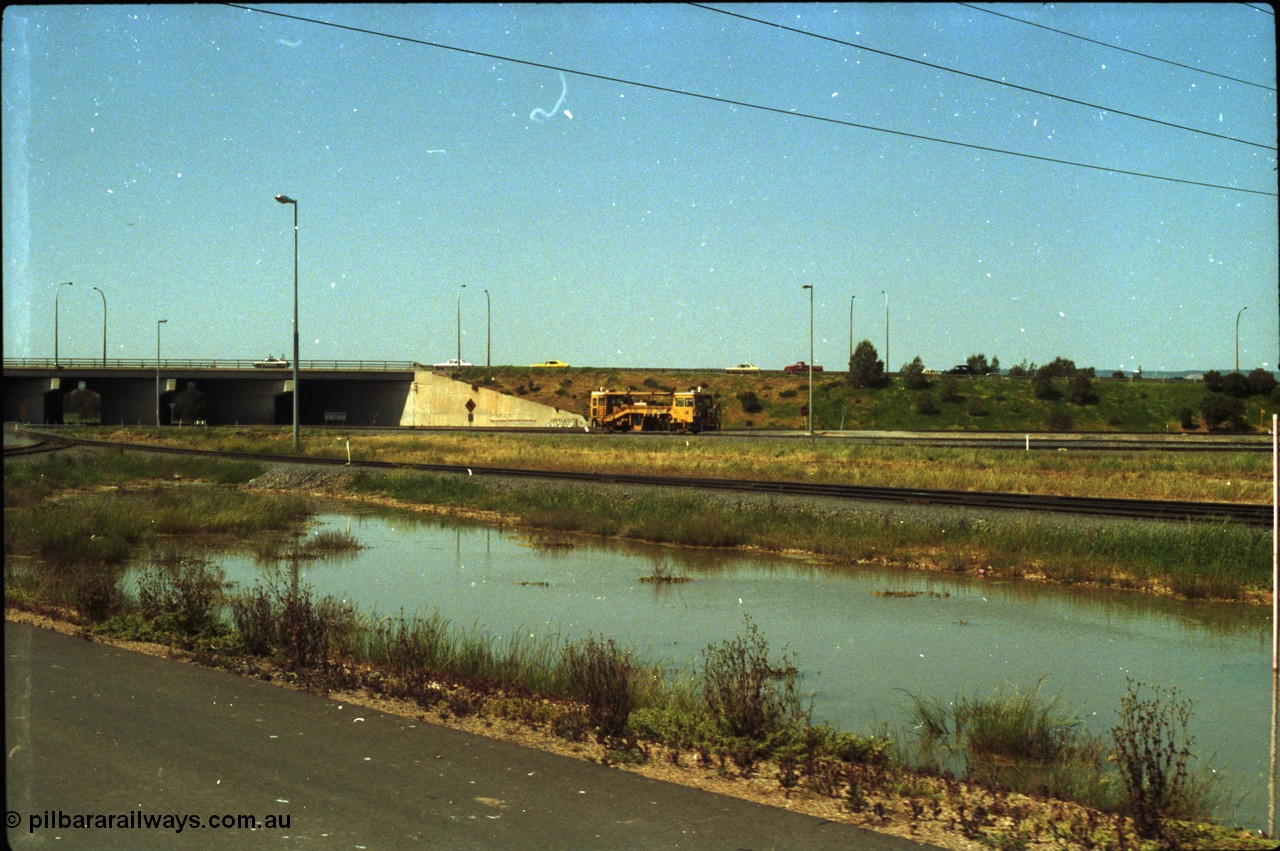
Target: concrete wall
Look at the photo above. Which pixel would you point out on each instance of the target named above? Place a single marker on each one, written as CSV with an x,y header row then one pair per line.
x,y
437,400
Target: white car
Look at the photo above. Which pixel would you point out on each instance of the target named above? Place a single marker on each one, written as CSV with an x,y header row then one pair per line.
x,y
271,362
451,363
743,367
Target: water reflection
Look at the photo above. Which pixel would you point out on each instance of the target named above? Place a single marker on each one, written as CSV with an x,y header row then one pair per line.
x,y
858,646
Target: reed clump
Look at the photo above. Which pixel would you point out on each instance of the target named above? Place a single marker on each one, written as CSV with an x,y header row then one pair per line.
x,y
1020,740
284,619
182,594
109,528
665,574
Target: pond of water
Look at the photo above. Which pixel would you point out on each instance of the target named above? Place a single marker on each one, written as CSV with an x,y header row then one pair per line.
x,y
859,646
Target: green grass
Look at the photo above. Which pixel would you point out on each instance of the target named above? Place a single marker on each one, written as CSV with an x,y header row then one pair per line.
x,y
32,480
1196,560
110,528
1009,405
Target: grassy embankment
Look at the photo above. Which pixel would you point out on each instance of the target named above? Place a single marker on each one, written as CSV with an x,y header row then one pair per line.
x,y
739,714
987,403
1201,560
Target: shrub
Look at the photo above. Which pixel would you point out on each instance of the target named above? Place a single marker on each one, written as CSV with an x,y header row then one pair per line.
x,y
654,384
1017,725
949,390
924,404
605,678
1042,383
1261,382
865,367
1022,370
978,365
284,618
1060,421
1153,749
1221,411
183,592
1080,390
913,377
750,402
96,593
751,696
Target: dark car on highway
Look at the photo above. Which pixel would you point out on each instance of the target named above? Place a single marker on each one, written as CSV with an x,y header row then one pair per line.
x,y
800,366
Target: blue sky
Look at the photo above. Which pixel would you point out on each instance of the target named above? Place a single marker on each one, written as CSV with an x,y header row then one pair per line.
x,y
633,226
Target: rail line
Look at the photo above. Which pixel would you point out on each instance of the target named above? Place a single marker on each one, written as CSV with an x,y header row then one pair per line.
x,y
1161,510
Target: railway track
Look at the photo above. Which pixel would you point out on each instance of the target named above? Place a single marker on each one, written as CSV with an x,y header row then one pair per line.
x,y
1161,510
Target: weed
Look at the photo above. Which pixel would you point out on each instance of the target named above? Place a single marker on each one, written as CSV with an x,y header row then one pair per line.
x,y
284,618
184,593
664,573
572,724
327,542
605,678
751,696
1017,724
1153,749
96,593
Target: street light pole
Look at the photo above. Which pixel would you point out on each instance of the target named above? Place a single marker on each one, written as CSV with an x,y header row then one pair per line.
x,y
285,199
488,330
104,325
159,322
851,298
461,287
810,408
56,295
1242,310
885,293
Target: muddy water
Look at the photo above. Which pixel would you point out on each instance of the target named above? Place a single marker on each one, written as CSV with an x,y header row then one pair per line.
x,y
860,637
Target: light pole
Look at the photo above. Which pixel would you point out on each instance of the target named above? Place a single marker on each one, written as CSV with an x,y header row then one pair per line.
x,y
810,407
159,322
488,330
885,293
285,199
851,298
461,287
57,293
104,324
1242,310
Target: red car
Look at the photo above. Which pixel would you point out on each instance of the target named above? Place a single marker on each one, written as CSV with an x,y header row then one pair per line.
x,y
800,366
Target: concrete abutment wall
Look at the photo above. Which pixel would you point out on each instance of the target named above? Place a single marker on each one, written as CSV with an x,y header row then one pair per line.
x,y
437,400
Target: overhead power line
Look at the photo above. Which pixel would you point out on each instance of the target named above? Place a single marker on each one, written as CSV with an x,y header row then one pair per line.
x,y
1003,83
745,105
1124,49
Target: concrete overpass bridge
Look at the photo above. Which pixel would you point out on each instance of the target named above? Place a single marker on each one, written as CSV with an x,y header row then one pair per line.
x,y
229,392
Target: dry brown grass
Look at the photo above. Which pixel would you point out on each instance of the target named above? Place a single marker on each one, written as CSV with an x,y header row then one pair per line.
x,y
1214,477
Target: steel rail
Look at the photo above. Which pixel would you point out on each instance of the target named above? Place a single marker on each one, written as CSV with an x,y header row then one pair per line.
x,y
1163,510
34,448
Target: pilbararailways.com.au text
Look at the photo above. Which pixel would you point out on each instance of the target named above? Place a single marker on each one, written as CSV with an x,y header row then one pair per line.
x,y
140,820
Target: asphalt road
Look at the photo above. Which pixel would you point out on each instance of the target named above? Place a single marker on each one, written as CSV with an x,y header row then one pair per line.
x,y
93,731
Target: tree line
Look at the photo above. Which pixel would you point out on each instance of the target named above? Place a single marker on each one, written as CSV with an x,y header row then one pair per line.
x,y
1222,408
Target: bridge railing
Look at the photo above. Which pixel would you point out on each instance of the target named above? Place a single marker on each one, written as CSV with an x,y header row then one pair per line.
x,y
173,363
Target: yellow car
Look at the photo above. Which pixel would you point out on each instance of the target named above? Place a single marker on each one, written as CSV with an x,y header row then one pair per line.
x,y
550,364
